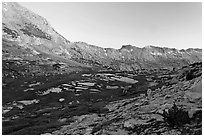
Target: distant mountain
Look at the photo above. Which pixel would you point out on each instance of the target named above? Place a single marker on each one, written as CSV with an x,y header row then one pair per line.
x,y
129,57
27,34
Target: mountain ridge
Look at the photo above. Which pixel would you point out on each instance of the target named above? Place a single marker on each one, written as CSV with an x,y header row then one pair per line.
x,y
29,30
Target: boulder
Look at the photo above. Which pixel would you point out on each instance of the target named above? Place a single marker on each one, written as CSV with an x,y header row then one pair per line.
x,y
195,92
62,120
167,96
193,111
132,123
149,93
61,99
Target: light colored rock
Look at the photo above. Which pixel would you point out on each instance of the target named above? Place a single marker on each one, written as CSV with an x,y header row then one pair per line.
x,y
29,102
62,120
125,79
151,84
87,83
53,90
195,92
193,96
6,109
167,96
131,123
142,95
88,131
171,132
66,85
34,84
112,87
157,117
61,99
70,103
149,92
95,90
46,134
28,89
86,75
73,83
192,111
128,124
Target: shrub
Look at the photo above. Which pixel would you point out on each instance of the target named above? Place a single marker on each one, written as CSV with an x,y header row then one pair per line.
x,y
190,75
176,116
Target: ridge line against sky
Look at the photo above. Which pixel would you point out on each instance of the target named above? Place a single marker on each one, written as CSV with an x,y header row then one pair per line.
x,y
111,25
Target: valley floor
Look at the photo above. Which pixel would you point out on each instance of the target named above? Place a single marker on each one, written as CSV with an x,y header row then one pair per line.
x,y
101,103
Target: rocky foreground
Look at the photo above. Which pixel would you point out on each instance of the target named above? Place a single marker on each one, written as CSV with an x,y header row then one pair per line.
x,y
145,114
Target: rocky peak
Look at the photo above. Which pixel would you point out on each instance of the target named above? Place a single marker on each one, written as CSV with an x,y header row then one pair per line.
x,y
31,31
14,14
128,47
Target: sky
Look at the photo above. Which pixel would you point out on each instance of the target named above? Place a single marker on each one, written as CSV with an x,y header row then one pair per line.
x,y
111,24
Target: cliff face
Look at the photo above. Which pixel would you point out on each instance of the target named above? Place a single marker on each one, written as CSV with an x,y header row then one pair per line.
x,y
29,31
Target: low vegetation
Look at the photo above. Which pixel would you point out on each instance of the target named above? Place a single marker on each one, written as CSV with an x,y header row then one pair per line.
x,y
176,116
